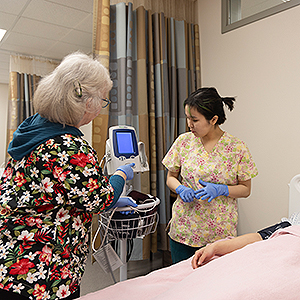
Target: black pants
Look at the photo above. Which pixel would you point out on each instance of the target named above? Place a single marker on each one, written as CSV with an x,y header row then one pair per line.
x,y
180,252
15,296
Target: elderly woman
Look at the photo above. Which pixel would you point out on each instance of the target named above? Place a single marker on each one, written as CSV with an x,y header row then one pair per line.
x,y
53,184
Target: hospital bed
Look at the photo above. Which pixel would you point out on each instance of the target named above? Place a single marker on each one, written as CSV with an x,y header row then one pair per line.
x,y
268,269
294,195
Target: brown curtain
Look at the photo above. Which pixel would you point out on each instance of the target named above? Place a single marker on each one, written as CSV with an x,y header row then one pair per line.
x,y
101,28
21,90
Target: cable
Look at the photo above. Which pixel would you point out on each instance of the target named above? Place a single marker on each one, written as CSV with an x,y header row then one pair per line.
x,y
145,210
102,160
129,249
98,230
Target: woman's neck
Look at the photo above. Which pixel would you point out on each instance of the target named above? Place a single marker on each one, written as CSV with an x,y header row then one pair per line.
x,y
210,140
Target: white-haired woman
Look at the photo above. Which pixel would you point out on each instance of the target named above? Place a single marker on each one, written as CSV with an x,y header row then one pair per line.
x,y
53,184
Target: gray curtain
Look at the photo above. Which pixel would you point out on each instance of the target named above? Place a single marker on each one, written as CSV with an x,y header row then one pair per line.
x,y
154,64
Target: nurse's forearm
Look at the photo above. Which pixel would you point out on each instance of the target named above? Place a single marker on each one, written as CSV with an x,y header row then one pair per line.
x,y
239,191
172,183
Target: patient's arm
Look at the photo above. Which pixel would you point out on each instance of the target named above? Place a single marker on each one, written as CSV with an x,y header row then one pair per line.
x,y
223,247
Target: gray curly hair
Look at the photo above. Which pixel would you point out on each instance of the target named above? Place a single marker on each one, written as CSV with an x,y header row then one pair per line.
x,y
61,96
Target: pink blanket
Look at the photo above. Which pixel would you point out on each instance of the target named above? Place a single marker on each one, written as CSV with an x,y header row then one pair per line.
x,y
264,270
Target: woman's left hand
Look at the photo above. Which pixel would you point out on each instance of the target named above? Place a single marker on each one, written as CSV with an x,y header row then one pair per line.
x,y
125,201
211,190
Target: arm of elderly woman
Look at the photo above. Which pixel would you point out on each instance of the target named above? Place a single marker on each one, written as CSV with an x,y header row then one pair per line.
x,y
118,180
222,247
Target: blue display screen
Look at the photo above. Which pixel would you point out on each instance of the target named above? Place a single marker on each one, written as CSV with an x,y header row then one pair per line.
x,y
125,143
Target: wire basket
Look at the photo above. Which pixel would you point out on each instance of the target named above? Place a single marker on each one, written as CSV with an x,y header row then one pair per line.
x,y
123,227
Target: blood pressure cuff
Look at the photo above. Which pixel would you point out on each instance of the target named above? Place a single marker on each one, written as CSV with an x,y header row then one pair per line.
x,y
141,198
135,224
267,232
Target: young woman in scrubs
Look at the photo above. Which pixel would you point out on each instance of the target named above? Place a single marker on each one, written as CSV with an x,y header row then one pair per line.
x,y
208,169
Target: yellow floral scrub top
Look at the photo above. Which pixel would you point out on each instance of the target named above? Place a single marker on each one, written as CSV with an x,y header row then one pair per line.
x,y
199,222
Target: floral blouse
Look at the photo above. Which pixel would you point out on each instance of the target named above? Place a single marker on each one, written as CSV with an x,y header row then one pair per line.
x,y
199,222
46,204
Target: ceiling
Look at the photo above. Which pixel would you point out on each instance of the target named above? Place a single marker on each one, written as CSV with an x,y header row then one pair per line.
x,y
44,28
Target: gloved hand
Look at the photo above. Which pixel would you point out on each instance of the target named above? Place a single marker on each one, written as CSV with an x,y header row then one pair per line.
x,y
186,194
127,169
211,190
125,201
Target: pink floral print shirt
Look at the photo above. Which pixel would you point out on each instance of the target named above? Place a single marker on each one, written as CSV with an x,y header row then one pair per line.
x,y
46,204
198,223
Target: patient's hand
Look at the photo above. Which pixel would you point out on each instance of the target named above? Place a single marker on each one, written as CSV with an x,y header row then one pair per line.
x,y
223,247
203,255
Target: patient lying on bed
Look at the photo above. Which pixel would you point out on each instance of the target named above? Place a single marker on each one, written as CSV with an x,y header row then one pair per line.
x,y
220,248
256,266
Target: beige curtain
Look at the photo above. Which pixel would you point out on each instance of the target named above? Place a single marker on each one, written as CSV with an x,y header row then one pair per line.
x,y
25,73
101,22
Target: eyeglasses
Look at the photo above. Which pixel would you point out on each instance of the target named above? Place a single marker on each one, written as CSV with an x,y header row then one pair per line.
x,y
105,102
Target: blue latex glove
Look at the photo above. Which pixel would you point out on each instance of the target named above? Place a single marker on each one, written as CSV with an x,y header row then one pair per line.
x,y
211,190
125,201
127,169
186,194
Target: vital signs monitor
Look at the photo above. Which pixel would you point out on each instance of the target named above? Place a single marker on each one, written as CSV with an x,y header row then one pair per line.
x,y
122,148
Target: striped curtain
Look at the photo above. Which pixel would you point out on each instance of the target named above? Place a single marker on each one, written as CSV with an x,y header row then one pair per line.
x,y
21,90
154,64
25,73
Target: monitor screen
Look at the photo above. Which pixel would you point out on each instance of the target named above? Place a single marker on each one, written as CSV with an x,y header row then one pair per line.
x,y
125,143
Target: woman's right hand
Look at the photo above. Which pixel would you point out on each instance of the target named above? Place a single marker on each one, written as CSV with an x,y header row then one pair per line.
x,y
127,170
186,194
203,255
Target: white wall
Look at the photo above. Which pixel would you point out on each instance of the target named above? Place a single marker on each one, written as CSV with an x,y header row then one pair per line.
x,y
3,120
260,64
